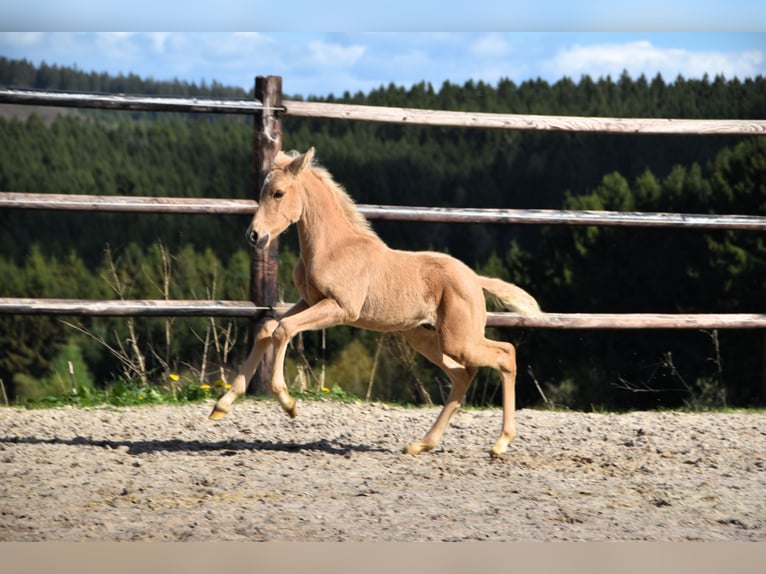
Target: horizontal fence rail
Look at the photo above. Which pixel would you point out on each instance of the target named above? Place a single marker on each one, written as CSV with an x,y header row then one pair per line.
x,y
523,122
246,309
630,321
130,102
187,205
414,116
131,307
558,217
125,204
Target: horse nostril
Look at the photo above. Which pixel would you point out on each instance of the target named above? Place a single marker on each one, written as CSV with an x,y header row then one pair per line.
x,y
262,242
257,241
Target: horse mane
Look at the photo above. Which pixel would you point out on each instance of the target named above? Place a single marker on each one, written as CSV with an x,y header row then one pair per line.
x,y
345,202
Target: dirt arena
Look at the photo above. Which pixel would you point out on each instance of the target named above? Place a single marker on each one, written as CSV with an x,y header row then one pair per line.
x,y
337,473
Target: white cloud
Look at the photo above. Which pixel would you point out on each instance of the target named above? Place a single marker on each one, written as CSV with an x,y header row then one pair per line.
x,y
241,44
335,55
490,45
116,36
642,57
158,40
121,49
21,39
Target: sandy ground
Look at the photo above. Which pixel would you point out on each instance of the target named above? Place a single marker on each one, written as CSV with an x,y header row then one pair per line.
x,y
337,473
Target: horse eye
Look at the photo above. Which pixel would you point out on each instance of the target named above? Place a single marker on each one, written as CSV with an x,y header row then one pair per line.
x,y
279,194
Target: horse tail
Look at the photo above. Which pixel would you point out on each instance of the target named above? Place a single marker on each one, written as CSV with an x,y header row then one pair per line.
x,y
511,297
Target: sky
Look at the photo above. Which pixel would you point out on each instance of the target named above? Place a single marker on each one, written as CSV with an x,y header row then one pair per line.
x,y
431,44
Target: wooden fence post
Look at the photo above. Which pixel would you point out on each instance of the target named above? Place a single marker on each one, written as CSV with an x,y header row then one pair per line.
x,y
264,264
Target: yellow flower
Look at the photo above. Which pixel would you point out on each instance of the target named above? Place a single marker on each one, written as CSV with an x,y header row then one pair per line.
x,y
325,390
205,387
219,383
174,377
227,386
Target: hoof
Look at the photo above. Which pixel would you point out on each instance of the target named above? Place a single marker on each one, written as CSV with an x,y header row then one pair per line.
x,y
292,411
501,445
496,453
416,448
217,414
500,449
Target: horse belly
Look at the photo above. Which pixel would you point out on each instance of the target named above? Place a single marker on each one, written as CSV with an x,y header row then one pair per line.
x,y
396,307
391,323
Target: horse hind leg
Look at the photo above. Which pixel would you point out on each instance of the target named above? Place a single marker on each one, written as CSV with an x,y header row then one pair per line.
x,y
426,342
502,357
238,388
508,374
462,337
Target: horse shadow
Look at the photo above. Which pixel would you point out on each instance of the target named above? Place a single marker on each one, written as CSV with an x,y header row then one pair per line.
x,y
224,447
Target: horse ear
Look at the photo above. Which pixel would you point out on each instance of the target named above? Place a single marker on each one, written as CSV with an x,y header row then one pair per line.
x,y
281,158
301,162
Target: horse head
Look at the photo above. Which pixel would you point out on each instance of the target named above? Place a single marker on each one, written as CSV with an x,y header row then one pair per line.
x,y
280,203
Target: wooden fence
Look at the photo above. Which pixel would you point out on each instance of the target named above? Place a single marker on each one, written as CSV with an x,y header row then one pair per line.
x,y
267,109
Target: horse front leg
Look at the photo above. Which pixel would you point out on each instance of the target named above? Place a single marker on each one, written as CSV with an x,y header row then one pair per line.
x,y
326,313
262,342
239,386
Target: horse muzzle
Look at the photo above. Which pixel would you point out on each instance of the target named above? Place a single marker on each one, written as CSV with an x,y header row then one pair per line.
x,y
258,241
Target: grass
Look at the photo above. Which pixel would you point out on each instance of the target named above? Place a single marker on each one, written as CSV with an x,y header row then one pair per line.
x,y
336,393
124,394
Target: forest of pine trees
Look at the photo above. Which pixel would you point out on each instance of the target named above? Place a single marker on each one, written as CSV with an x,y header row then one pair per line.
x,y
85,255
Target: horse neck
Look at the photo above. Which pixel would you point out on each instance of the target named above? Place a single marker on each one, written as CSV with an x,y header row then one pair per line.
x,y
322,224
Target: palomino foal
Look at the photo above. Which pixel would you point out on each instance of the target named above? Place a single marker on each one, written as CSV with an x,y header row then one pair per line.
x,y
346,275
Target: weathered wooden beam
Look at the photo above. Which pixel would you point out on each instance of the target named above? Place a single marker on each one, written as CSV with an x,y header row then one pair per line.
x,y
247,309
130,307
387,115
130,102
115,203
629,321
559,217
187,205
523,122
